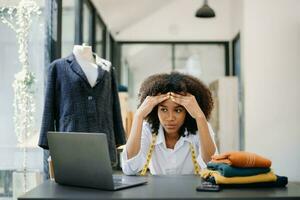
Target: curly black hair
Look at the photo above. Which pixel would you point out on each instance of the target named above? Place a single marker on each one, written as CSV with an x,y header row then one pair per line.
x,y
178,83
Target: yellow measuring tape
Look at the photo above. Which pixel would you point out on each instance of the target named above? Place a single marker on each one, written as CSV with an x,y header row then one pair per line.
x,y
149,155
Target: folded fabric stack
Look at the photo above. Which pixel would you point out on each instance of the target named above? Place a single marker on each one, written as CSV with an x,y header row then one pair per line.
x,y
242,170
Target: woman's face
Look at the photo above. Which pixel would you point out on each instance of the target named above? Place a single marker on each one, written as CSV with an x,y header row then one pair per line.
x,y
171,116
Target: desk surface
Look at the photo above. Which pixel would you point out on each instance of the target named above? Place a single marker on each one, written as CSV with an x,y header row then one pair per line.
x,y
161,187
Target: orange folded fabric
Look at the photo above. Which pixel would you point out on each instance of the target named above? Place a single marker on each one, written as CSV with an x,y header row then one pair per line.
x,y
241,159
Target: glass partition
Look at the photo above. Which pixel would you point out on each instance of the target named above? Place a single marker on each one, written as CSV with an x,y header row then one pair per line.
x,y
86,23
12,157
100,34
140,61
68,27
205,61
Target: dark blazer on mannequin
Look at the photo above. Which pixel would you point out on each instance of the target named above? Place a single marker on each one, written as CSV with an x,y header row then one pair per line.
x,y
72,105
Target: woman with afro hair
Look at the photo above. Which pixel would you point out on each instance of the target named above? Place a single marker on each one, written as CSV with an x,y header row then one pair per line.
x,y
170,133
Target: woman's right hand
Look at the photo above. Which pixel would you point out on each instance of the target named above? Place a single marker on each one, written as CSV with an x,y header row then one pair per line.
x,y
133,143
149,103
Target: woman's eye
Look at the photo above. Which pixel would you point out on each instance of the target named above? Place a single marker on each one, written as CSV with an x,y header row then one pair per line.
x,y
178,110
163,109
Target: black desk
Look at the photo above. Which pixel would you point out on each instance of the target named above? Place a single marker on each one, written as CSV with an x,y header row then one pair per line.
x,y
161,187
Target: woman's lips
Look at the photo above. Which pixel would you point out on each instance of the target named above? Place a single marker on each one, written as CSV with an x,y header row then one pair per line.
x,y
170,126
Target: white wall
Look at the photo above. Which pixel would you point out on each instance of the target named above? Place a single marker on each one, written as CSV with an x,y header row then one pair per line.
x,y
170,23
237,17
271,63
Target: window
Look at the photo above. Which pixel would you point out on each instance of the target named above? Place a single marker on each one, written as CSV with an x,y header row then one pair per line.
x,y
87,17
100,38
206,61
68,27
11,153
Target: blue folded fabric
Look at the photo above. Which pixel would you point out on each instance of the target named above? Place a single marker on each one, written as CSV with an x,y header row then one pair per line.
x,y
229,171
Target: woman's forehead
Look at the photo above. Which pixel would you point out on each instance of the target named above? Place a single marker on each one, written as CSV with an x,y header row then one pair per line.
x,y
169,103
181,93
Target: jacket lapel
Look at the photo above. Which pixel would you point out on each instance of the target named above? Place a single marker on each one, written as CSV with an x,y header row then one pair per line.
x,y
76,67
100,74
101,68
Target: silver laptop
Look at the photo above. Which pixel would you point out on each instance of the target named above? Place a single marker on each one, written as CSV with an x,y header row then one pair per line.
x,y
82,159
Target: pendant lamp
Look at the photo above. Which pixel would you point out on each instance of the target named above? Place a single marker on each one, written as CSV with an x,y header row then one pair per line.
x,y
205,11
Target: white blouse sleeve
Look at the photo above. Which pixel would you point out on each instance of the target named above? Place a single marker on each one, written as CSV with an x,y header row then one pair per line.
x,y
199,158
135,164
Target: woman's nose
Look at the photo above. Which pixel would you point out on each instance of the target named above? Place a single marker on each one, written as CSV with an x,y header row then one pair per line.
x,y
171,116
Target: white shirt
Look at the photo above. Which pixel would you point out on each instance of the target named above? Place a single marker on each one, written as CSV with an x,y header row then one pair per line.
x,y
165,160
84,57
88,64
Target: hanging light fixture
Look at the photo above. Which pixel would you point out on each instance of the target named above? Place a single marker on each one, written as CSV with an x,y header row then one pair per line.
x,y
205,11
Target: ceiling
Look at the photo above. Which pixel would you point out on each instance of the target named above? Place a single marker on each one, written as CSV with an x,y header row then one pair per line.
x,y
156,20
121,14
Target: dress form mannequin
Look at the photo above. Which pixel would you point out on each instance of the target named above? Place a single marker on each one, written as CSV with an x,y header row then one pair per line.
x,y
85,59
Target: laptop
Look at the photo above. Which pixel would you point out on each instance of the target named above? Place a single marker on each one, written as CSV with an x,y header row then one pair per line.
x,y
82,159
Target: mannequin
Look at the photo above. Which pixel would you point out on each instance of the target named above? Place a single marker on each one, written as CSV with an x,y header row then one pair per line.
x,y
85,59
81,95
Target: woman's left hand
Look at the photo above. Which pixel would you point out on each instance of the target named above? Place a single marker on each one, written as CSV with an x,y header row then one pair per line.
x,y
189,102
